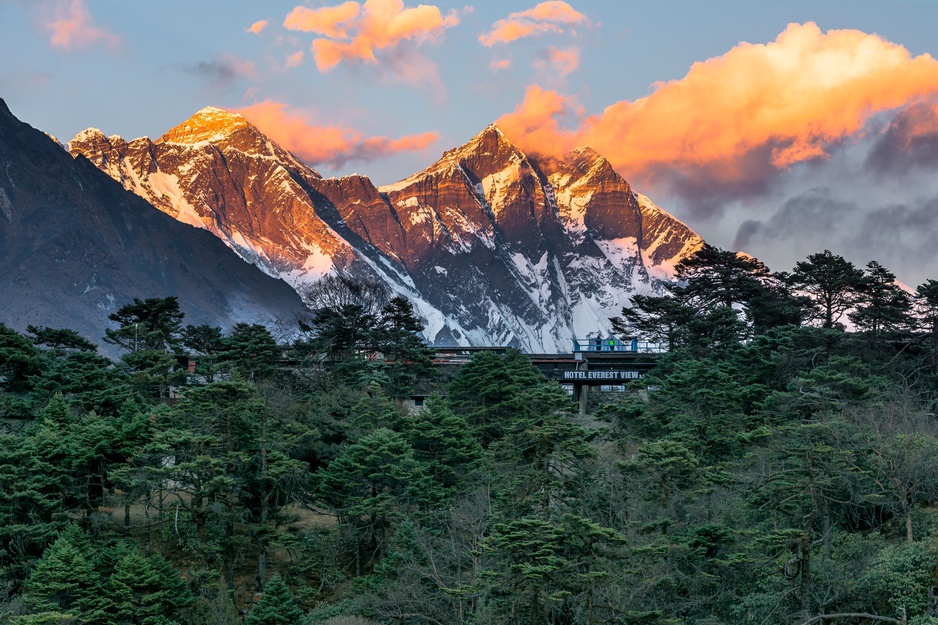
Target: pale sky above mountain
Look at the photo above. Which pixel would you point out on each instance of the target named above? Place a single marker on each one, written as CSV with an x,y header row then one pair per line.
x,y
781,128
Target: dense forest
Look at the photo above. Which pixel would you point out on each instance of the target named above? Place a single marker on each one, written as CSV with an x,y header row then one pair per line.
x,y
779,464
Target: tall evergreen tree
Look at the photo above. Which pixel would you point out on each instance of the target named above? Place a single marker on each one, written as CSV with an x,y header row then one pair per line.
x,y
19,361
831,282
883,307
89,381
489,392
150,324
443,441
145,591
31,507
251,351
65,580
716,277
926,312
372,485
60,339
660,319
276,607
407,356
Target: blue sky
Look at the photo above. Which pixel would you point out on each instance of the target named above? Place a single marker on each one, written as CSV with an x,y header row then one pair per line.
x,y
136,68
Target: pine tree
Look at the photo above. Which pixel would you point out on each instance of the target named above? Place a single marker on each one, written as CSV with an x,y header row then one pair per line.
x,y
442,441
488,392
276,607
134,590
373,484
31,511
882,307
541,568
57,413
88,380
64,580
251,351
60,339
658,319
926,311
407,356
151,324
831,282
214,442
716,277
19,361
145,591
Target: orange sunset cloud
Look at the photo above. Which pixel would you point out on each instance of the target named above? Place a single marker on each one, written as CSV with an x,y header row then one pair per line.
x,y
295,59
324,21
71,26
353,32
562,62
331,145
258,27
547,17
759,107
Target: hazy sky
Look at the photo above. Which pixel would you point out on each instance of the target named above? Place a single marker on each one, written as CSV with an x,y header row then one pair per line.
x,y
781,128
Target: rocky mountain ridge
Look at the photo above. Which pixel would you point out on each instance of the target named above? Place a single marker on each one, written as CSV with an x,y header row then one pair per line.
x,y
492,245
75,246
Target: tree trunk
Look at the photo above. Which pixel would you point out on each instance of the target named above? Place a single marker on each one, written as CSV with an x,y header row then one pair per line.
x,y
229,553
146,516
806,573
265,499
358,553
934,346
159,519
907,512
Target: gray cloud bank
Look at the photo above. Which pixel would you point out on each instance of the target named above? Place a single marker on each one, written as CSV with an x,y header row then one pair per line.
x,y
874,198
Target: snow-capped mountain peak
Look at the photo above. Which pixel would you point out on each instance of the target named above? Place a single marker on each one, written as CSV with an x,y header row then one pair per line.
x,y
209,125
492,245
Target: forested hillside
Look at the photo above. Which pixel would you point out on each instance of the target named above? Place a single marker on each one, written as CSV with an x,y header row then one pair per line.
x,y
780,463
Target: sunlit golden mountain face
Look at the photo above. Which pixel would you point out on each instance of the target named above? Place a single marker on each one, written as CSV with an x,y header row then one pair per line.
x,y
494,246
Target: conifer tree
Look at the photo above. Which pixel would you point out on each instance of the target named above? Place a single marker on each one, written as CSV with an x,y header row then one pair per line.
x,y
442,441
407,356
882,306
89,381
145,591
251,351
716,277
831,282
372,485
276,607
19,361
60,339
150,332
926,311
31,510
489,392
654,318
150,324
65,580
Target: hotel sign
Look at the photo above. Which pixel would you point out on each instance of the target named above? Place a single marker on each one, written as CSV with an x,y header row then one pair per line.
x,y
610,376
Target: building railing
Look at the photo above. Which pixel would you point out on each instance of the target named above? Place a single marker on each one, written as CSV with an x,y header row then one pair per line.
x,y
613,344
